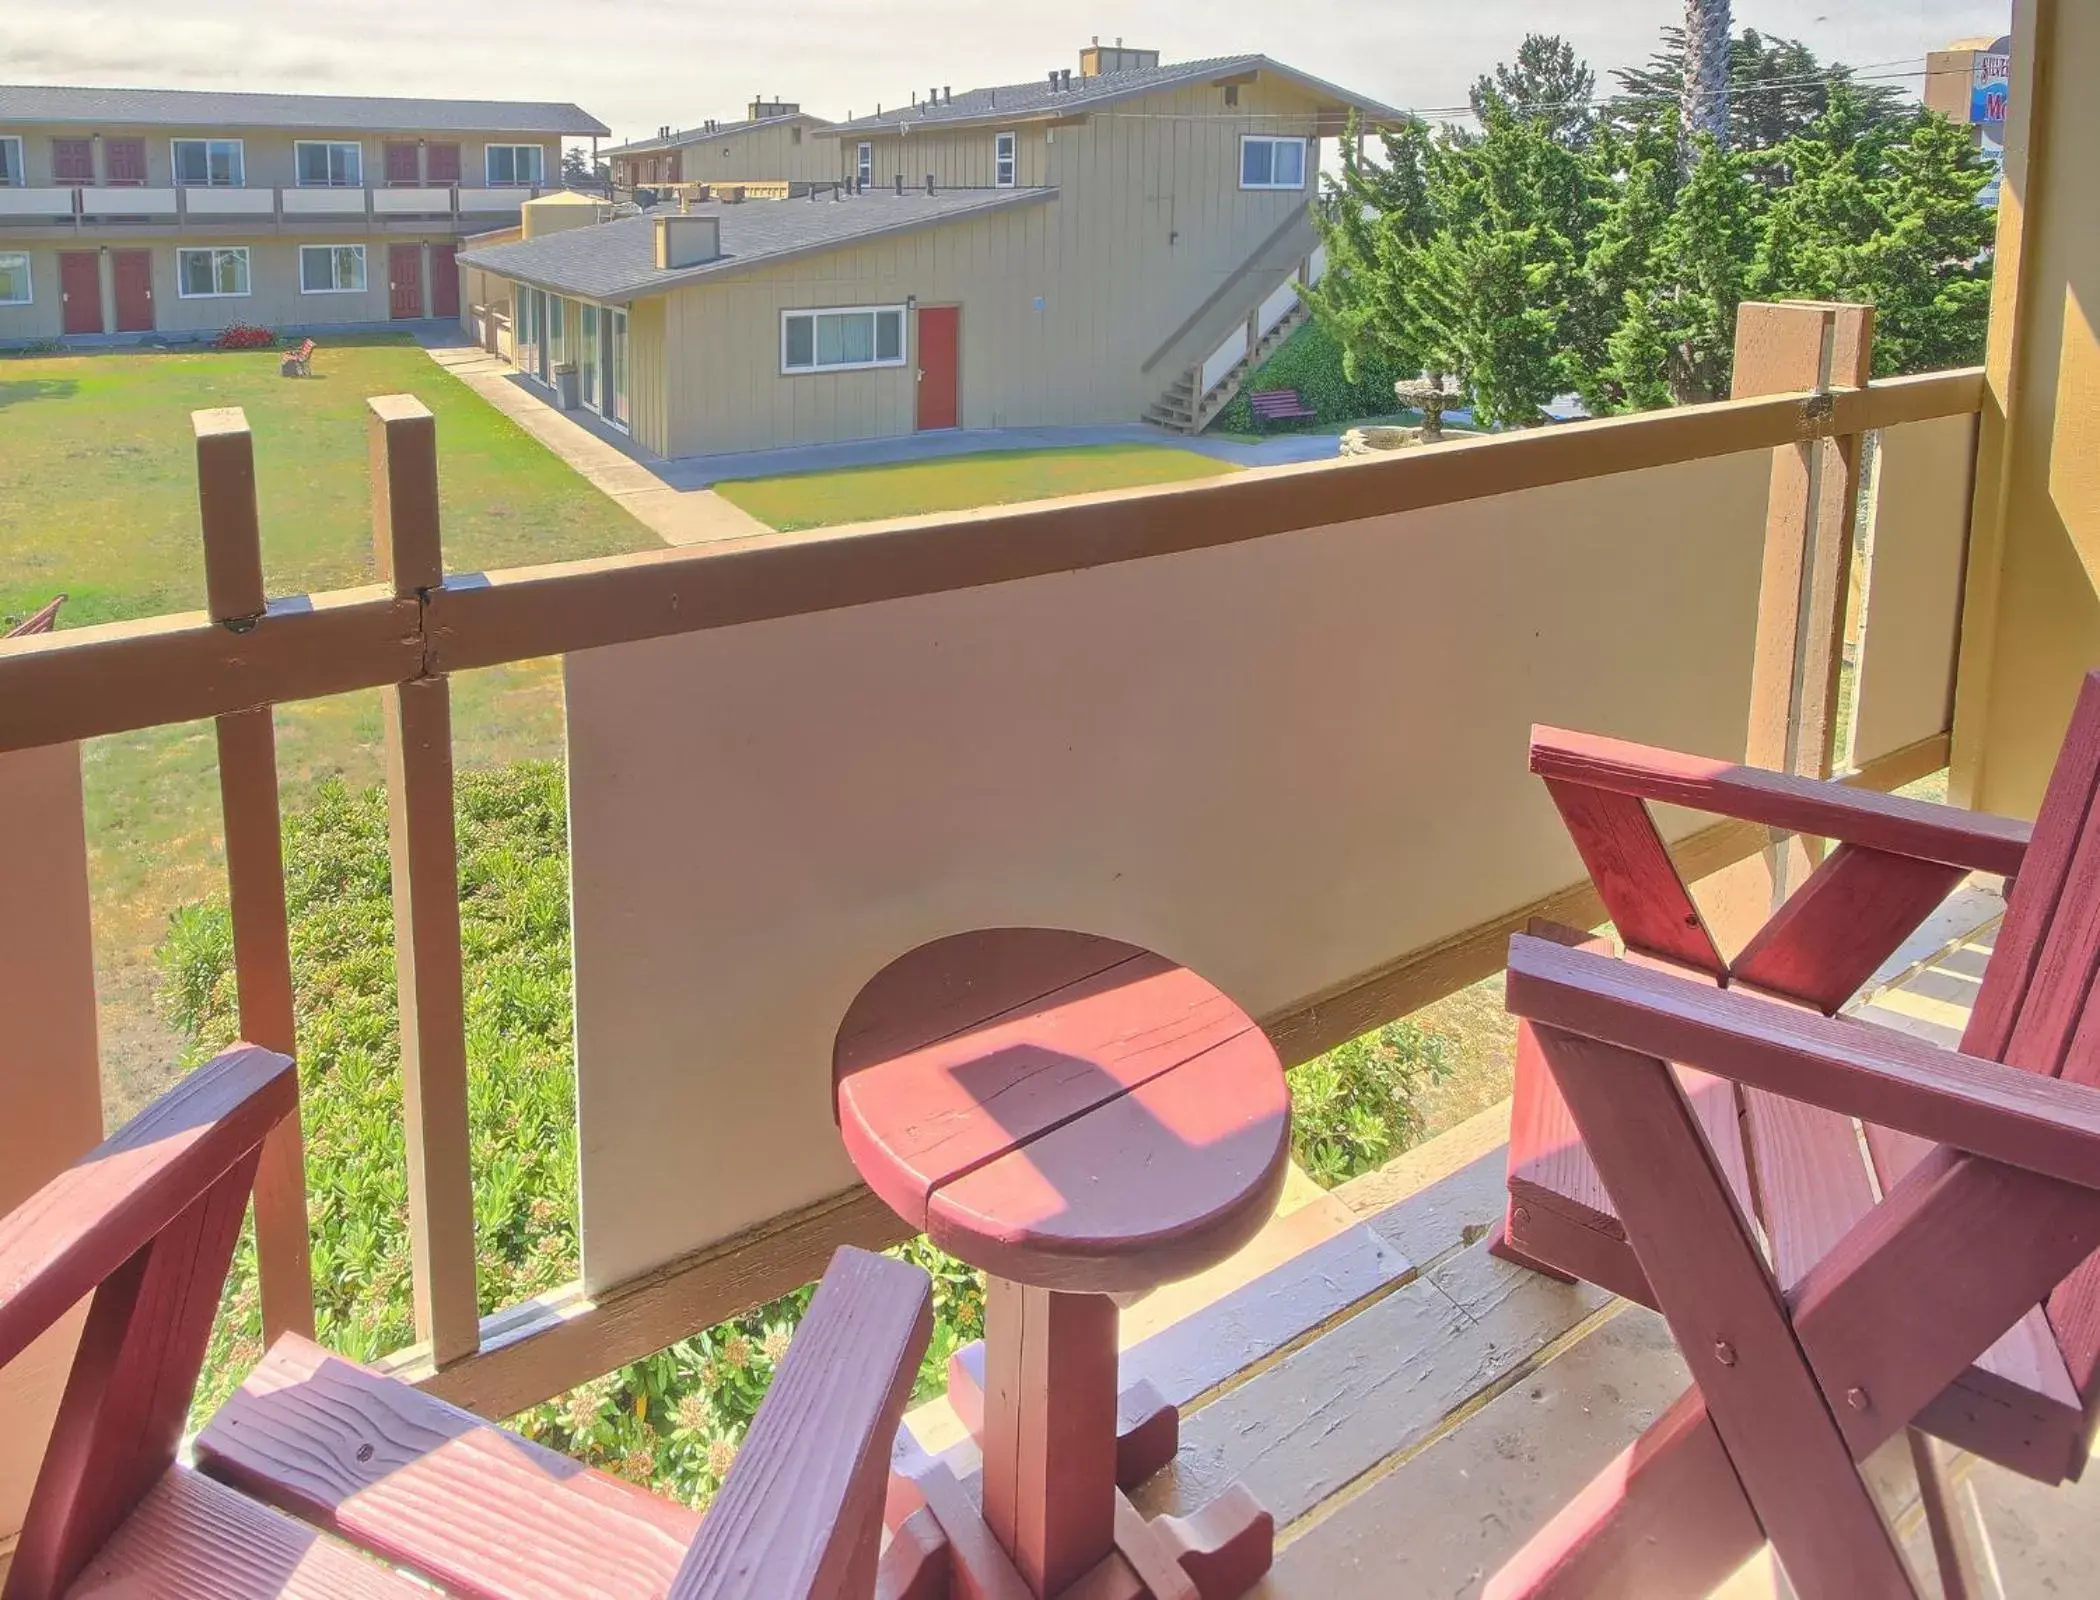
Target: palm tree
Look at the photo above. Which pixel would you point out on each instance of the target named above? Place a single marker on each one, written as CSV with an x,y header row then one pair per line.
x,y
1706,32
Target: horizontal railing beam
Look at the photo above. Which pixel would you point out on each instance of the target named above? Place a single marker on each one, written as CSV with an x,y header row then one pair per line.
x,y
87,682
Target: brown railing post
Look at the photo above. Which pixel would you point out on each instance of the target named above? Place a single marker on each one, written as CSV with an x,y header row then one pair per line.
x,y
262,948
1806,583
425,853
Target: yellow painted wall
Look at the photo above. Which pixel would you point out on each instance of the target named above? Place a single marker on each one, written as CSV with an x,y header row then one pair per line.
x,y
1149,221
2034,590
753,155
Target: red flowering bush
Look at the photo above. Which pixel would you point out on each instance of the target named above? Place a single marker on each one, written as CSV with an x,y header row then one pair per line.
x,y
244,336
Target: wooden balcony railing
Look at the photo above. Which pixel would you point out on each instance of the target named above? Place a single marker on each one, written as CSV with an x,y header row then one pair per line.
x,y
1682,576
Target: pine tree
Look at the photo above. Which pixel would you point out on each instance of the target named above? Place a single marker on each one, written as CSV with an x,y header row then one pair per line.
x,y
1777,88
1546,80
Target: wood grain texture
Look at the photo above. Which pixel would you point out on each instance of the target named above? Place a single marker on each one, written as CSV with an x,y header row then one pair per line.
x,y
1049,1436
192,1539
435,1489
1634,875
978,1568
529,612
130,1386
1852,1068
1968,839
78,1229
401,436
1959,1251
1852,914
1225,1547
1153,1186
233,572
800,1517
116,677
1730,1324
1667,1518
262,963
424,848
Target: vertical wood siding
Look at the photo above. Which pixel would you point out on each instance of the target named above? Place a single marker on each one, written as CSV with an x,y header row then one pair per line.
x,y
1149,221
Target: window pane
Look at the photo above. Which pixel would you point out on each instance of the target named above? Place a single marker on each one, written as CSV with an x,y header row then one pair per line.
x,y
889,336
189,161
10,163
350,266
857,337
193,267
499,163
801,342
1256,158
531,157
313,163
233,271
1290,163
14,280
348,162
225,164
313,270
831,339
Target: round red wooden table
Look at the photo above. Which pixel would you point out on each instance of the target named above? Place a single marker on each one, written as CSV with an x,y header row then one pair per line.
x,y
1078,1118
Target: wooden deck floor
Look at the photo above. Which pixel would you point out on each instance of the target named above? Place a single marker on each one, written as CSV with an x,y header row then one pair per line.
x,y
1411,1409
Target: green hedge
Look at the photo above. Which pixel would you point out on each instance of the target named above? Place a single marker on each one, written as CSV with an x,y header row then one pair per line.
x,y
674,1420
1310,361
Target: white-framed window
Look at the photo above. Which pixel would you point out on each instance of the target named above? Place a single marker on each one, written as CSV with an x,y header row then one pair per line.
x,y
515,165
844,339
864,165
331,269
14,279
208,163
1267,162
1003,161
210,274
329,163
12,173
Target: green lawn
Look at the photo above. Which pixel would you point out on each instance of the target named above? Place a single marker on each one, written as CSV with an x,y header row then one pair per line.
x,y
98,499
959,483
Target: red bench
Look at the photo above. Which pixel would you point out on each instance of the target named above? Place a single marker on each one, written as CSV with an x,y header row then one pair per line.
x,y
1280,405
299,363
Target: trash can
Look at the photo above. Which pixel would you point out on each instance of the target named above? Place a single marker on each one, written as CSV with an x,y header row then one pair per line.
x,y
568,388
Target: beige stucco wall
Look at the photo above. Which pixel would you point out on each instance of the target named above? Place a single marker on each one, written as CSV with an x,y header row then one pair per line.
x,y
1063,304
1286,762
2035,584
266,153
274,298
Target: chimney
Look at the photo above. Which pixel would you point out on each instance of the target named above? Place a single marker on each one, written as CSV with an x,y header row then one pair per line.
x,y
1053,80
947,94
1097,58
683,241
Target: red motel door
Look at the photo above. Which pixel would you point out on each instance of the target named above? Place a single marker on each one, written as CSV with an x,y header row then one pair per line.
x,y
133,270
404,280
126,160
444,281
441,162
940,350
80,291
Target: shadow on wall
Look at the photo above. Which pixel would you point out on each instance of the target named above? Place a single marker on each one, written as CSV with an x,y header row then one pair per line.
x,y
28,389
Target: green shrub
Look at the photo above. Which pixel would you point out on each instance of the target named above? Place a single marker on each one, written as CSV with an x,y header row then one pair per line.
x,y
673,1420
1310,361
1354,1109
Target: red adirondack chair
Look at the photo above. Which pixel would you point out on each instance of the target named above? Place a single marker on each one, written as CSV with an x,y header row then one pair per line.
x,y
1665,1099
147,1224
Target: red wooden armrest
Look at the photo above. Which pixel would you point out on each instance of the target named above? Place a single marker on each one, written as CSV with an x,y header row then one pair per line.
x,y
801,1515
80,1227
2037,1123
1975,840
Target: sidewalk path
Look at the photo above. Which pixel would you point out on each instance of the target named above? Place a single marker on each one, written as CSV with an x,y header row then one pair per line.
x,y
677,516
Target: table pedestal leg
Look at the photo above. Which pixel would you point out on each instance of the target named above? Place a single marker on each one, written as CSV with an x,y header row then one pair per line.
x,y
1049,1439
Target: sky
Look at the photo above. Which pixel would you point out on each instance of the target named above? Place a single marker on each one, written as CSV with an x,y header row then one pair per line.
x,y
637,64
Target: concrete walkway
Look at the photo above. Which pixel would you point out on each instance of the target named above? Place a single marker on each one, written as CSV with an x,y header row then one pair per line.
x,y
677,516
674,497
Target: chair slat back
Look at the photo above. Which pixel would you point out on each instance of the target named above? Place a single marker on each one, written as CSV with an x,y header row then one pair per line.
x,y
2038,1009
2048,950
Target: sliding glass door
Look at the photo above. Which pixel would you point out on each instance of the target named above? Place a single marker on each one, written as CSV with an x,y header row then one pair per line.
x,y
616,368
588,367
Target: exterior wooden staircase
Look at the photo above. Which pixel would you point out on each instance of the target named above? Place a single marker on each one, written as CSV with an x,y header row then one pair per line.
x,y
1181,410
